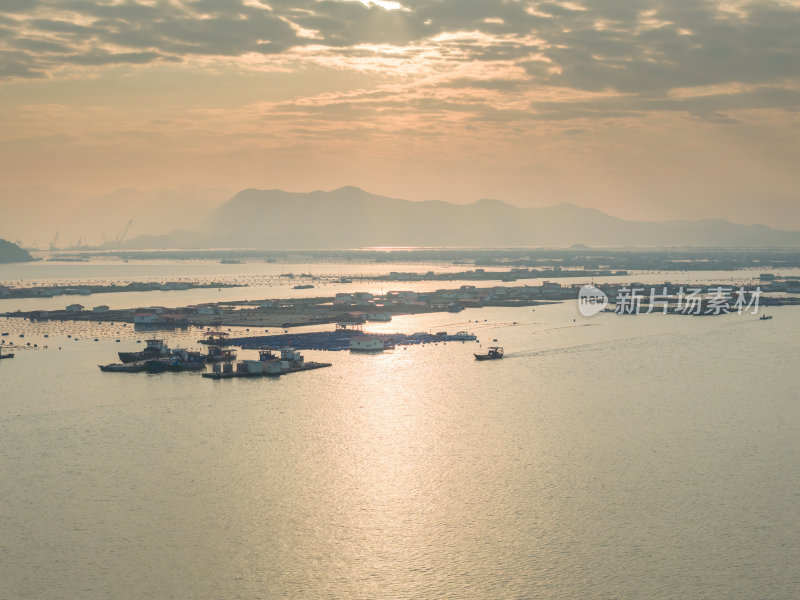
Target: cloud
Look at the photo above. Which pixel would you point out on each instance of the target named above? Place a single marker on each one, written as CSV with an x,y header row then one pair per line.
x,y
706,106
18,6
99,57
638,51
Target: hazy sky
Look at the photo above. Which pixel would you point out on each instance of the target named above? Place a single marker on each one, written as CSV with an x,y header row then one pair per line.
x,y
642,108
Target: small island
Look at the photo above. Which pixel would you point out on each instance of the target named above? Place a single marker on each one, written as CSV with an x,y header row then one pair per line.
x,y
11,253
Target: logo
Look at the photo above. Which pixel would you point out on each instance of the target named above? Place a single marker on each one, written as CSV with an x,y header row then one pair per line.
x,y
591,300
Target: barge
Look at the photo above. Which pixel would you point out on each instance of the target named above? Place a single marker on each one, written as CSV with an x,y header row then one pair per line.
x,y
134,367
178,361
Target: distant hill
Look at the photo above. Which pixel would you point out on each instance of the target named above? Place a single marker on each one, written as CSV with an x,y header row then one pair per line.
x,y
11,253
352,218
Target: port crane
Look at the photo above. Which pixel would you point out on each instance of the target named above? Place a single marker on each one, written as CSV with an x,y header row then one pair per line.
x,y
123,233
55,239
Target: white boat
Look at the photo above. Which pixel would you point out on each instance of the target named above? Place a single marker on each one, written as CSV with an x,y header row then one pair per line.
x,y
366,344
385,317
464,336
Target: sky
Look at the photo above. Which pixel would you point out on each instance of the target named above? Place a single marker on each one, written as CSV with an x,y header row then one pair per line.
x,y
645,109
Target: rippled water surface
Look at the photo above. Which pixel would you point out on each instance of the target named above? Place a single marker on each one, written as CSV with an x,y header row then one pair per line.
x,y
612,457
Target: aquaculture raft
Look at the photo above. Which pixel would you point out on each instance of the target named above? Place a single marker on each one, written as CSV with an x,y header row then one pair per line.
x,y
309,366
340,339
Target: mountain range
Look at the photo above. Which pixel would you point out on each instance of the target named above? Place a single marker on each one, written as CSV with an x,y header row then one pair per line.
x,y
190,217
349,217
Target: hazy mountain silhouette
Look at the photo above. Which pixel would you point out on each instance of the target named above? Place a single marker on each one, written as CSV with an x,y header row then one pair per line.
x,y
350,217
11,253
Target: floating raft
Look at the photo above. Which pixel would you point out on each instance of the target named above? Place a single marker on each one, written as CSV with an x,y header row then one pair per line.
x,y
336,340
309,366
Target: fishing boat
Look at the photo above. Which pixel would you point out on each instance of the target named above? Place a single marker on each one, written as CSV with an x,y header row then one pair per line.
x,y
177,362
190,360
765,317
494,353
134,367
155,349
215,338
216,354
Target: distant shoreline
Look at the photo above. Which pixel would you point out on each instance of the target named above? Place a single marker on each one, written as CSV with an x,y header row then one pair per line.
x,y
538,258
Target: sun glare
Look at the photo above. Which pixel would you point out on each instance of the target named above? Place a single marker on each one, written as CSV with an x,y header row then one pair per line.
x,y
385,4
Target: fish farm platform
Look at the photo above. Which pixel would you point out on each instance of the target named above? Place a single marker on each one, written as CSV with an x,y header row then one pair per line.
x,y
310,366
336,340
